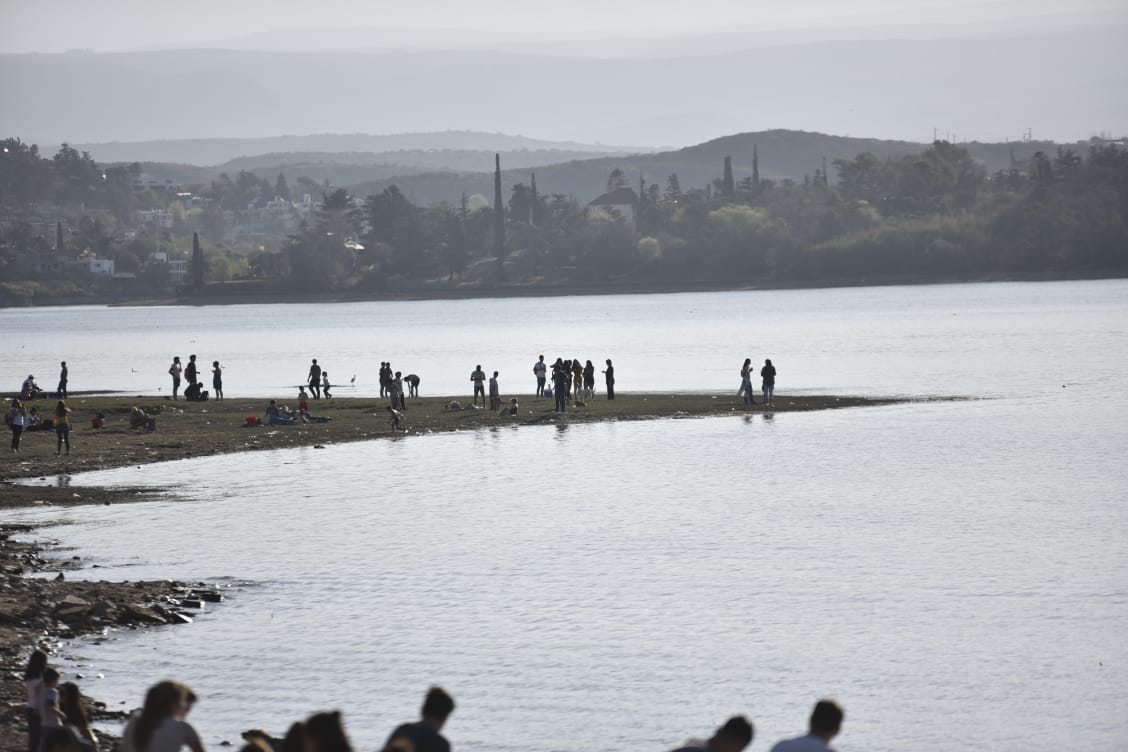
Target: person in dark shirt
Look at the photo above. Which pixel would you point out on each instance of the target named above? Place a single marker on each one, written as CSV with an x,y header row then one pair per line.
x,y
315,379
610,379
733,736
61,391
423,735
191,375
768,374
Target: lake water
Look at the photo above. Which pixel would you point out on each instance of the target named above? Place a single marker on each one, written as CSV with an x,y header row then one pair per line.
x,y
955,573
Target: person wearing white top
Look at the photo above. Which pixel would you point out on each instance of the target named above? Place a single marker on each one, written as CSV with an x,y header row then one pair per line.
x,y
825,723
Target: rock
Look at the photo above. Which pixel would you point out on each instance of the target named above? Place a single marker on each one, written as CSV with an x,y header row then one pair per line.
x,y
192,603
73,600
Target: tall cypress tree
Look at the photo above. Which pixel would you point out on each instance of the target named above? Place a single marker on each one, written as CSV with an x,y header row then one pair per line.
x,y
534,201
499,214
727,184
197,263
755,166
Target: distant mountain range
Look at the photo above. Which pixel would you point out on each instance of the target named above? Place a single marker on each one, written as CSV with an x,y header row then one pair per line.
x,y
348,148
1068,83
435,175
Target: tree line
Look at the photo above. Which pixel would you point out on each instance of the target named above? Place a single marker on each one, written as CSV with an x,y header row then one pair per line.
x,y
936,214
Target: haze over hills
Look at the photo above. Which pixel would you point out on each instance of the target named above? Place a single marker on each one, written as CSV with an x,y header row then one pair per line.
x,y
1063,84
363,147
436,175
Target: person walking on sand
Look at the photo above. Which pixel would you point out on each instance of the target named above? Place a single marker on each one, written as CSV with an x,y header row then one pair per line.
x,y
217,380
540,370
315,379
175,370
746,382
190,373
61,390
325,385
733,736
62,427
478,376
824,725
495,394
424,735
609,377
768,374
16,418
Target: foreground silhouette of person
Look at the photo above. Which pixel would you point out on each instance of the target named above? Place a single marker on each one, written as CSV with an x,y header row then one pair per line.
x,y
824,725
423,735
160,726
733,736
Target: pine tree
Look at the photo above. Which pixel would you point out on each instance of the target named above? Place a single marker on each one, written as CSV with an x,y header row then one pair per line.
x,y
728,187
755,166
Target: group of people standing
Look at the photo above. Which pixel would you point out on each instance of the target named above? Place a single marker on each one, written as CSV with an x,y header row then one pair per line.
x,y
767,376
572,380
195,391
18,419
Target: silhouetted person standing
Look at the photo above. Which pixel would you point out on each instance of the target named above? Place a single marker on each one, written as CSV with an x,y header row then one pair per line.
x,y
174,371
768,374
61,391
609,376
315,380
217,380
825,723
423,735
190,372
479,378
540,371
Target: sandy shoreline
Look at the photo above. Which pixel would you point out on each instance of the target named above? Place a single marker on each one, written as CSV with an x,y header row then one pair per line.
x,y
35,611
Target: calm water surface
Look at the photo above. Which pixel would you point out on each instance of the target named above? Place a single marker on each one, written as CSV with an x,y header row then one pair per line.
x,y
954,573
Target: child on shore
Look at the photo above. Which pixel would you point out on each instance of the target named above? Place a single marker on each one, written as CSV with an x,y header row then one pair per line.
x,y
33,681
325,384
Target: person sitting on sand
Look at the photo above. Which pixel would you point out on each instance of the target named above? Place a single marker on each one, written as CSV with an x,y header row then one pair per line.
x,y
513,407
306,417
196,393
137,418
824,725
275,416
160,726
424,735
453,405
397,419
30,390
733,736
34,420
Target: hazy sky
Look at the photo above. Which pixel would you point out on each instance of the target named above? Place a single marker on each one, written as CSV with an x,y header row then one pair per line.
x,y
58,25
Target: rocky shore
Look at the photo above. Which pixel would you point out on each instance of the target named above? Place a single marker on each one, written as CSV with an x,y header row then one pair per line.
x,y
41,610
